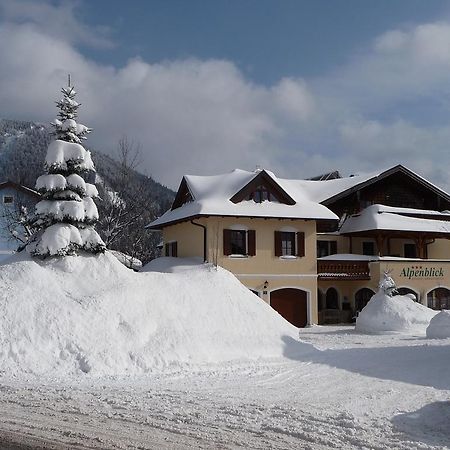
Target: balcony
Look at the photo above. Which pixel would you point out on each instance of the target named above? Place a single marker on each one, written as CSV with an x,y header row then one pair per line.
x,y
343,270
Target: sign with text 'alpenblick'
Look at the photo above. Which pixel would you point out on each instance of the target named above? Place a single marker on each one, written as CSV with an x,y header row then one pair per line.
x,y
414,272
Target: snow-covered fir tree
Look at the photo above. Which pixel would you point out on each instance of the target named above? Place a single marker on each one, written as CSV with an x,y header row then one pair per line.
x,y
66,215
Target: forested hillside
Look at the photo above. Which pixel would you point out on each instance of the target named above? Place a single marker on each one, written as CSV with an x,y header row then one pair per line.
x,y
129,200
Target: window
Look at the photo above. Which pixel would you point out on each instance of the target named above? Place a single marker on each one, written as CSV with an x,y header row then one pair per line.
x,y
262,194
8,199
368,248
439,298
171,249
325,248
289,243
239,242
410,251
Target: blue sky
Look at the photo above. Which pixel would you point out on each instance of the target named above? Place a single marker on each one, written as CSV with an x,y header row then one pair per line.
x,y
299,87
266,39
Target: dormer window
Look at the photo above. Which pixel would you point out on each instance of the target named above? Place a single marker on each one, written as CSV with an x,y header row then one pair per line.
x,y
263,188
262,194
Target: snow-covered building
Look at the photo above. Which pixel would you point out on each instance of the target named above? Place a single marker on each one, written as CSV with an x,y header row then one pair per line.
x,y
316,249
13,197
393,220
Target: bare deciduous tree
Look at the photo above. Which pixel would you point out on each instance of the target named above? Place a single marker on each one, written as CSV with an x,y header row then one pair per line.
x,y
127,206
17,221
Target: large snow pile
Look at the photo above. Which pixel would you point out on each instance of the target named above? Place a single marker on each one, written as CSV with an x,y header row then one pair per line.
x,y
91,314
398,313
168,264
439,327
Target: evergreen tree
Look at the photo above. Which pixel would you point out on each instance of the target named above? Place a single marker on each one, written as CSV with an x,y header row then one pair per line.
x,y
66,215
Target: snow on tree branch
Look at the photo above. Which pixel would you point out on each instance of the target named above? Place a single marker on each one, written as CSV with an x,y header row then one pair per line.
x,y
66,215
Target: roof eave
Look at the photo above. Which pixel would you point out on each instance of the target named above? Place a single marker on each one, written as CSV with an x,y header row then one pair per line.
x,y
160,226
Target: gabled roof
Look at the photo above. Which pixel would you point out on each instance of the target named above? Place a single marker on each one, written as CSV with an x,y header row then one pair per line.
x,y
213,195
19,187
268,180
331,190
224,195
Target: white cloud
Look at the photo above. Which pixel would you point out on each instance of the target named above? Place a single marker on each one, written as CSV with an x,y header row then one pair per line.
x,y
58,21
204,116
190,116
293,99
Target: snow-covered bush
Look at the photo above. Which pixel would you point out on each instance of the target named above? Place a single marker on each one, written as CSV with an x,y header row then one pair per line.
x,y
66,215
387,285
439,327
387,312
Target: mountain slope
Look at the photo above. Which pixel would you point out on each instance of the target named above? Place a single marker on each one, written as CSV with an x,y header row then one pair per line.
x,y
130,199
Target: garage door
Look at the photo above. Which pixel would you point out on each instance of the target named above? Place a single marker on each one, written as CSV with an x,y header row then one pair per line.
x,y
291,304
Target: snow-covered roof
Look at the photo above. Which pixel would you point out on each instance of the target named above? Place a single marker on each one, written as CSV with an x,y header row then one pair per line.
x,y
211,196
444,215
326,190
322,190
19,187
380,217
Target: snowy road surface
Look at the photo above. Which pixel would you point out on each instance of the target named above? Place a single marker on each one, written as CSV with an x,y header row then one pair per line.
x,y
356,392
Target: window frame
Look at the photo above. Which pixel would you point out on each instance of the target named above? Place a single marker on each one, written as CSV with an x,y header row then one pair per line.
x,y
248,238
238,242
7,196
365,243
331,247
298,248
291,238
410,246
171,249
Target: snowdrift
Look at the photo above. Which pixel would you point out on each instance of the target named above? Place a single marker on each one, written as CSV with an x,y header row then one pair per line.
x,y
90,314
439,327
393,314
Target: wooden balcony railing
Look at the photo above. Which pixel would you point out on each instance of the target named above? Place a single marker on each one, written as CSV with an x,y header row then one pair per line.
x,y
339,270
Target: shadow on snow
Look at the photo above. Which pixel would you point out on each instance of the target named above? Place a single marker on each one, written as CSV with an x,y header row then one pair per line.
x,y
423,365
429,424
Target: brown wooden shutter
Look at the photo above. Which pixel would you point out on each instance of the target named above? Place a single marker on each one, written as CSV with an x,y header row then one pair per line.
x,y
166,249
175,249
300,243
278,247
227,242
333,247
251,238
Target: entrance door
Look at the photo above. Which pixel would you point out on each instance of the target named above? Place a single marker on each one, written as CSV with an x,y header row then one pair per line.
x,y
291,304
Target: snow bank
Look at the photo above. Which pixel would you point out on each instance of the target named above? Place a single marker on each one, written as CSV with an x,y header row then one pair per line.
x,y
167,264
127,260
393,314
90,314
439,327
